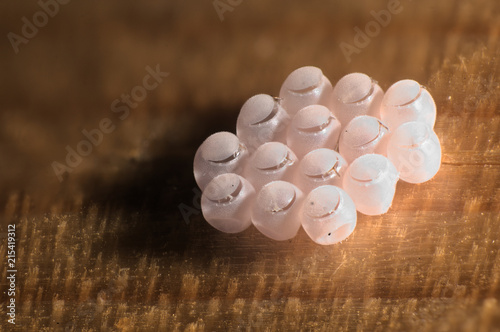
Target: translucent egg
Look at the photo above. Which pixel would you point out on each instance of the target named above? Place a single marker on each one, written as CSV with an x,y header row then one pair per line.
x,y
415,150
272,161
364,134
305,86
261,120
354,95
227,201
371,183
220,153
313,127
320,167
276,212
328,215
407,101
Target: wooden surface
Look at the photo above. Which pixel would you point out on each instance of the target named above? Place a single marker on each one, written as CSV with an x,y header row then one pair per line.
x,y
108,248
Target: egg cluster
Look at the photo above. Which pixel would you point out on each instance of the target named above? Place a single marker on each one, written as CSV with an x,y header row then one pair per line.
x,y
316,154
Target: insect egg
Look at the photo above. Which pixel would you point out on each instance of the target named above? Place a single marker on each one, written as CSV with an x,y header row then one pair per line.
x,y
371,182
262,119
313,127
354,95
276,210
220,153
406,101
272,161
306,86
415,151
320,167
364,134
226,203
328,215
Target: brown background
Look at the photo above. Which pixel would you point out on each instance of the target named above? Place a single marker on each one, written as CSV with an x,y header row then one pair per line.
x,y
108,248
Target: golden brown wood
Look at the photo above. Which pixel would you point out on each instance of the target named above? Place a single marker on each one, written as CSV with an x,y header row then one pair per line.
x,y
108,249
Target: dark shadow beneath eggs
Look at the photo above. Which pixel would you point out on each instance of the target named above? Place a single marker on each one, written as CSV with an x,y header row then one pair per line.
x,y
157,201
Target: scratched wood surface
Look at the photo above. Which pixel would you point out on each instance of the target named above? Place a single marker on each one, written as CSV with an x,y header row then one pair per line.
x,y
108,248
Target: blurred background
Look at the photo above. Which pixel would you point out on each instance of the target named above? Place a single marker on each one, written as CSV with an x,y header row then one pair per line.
x,y
64,78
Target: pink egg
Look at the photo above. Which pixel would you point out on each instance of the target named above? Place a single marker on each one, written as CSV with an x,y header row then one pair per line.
x,y
313,127
262,119
220,153
276,212
407,101
371,183
306,86
227,202
354,95
328,215
271,162
364,134
415,150
320,167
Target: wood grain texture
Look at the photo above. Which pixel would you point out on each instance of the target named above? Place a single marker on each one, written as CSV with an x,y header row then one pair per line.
x,y
108,249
